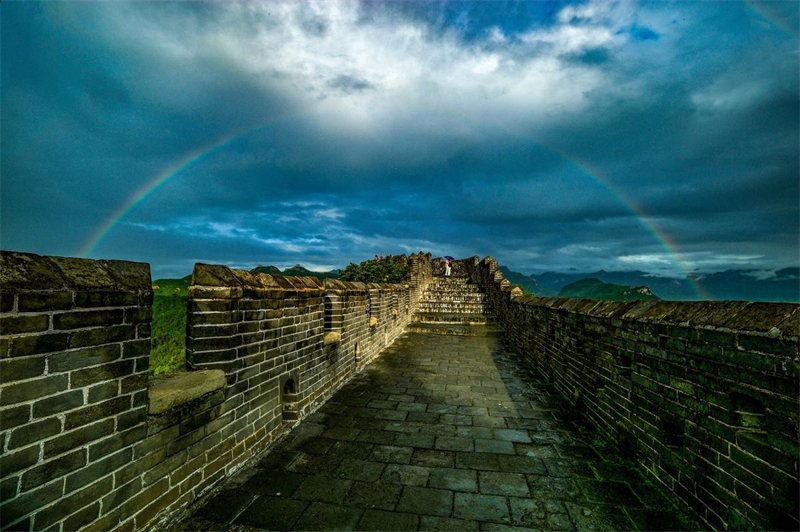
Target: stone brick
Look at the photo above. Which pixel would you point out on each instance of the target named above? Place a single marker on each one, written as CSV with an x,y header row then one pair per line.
x,y
34,432
52,469
102,335
11,462
23,323
16,369
103,391
38,343
6,302
30,501
81,358
88,376
82,517
57,403
78,437
66,505
99,469
136,349
81,319
43,301
118,440
32,389
82,416
15,416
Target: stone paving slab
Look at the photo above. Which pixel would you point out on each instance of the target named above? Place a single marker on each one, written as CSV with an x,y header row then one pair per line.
x,y
441,433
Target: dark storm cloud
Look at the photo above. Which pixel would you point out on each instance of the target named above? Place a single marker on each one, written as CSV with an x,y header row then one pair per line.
x,y
537,132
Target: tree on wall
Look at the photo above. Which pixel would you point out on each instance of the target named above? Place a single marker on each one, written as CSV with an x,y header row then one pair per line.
x,y
391,269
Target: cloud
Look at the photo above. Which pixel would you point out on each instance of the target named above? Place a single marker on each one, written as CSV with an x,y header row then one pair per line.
x,y
549,135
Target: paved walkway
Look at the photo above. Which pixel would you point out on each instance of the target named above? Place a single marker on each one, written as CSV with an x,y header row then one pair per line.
x,y
441,433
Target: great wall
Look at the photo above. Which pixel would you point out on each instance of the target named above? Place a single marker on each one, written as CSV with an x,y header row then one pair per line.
x,y
460,401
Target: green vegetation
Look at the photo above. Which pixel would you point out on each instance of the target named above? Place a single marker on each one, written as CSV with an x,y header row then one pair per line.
x,y
389,270
597,289
168,340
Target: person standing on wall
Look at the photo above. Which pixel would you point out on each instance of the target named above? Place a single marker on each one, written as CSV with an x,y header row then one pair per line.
x,y
447,267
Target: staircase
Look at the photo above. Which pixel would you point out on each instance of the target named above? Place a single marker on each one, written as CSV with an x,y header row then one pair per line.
x,y
455,306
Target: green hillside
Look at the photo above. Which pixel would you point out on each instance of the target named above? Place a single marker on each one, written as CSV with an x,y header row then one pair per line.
x,y
296,271
172,287
597,289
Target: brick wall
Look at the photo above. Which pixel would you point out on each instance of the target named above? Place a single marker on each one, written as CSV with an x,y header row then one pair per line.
x,y
89,442
74,354
705,394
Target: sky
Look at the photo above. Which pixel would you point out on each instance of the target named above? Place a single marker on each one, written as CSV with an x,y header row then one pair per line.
x,y
553,136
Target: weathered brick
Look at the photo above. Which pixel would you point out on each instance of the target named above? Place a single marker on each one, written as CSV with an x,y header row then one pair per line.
x,y
82,416
143,498
136,348
78,437
12,462
34,432
151,510
8,488
14,417
118,440
32,389
81,319
164,468
102,335
106,299
52,469
38,343
81,358
58,403
30,501
39,301
139,466
99,469
134,382
144,330
88,376
138,315
83,517
102,391
132,418
23,323
17,369
6,302
122,494
67,504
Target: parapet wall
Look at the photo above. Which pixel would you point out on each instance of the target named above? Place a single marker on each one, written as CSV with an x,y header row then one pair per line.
x,y
705,394
74,356
89,442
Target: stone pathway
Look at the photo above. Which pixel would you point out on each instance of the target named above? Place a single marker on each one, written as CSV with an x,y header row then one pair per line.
x,y
441,433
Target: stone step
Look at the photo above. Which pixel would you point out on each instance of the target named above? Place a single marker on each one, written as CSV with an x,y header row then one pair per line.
x,y
452,306
450,294
455,318
493,331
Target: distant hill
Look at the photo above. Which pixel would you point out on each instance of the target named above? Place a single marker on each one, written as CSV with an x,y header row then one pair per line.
x,y
747,285
296,271
527,282
597,289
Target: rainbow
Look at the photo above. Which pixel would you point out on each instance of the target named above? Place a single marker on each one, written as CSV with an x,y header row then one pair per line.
x,y
202,153
189,160
664,240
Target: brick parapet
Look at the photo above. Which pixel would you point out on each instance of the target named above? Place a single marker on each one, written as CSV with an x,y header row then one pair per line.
x,y
80,449
704,393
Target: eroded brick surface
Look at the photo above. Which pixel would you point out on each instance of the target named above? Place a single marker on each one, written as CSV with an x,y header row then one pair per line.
x,y
495,448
